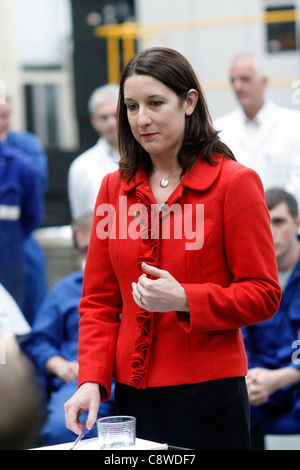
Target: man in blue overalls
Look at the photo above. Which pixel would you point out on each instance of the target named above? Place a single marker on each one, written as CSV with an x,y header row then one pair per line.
x,y
34,154
272,346
20,214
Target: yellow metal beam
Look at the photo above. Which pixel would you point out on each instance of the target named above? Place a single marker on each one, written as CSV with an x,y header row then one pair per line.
x,y
135,30
128,49
129,32
113,60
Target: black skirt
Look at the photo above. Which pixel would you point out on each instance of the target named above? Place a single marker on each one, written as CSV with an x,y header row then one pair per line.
x,y
205,416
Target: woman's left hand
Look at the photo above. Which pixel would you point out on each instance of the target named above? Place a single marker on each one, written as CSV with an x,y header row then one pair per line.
x,y
163,294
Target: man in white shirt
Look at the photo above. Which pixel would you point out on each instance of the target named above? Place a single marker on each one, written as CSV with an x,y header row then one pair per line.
x,y
261,134
88,169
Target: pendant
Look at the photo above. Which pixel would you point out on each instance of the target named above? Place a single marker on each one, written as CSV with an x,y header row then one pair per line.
x,y
164,182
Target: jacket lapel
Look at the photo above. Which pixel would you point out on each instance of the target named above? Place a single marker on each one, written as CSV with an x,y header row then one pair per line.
x,y
200,178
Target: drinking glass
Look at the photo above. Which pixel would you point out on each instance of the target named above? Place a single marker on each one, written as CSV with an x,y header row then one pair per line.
x,y
116,432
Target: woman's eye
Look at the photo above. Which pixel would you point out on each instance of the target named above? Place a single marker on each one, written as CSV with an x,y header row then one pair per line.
x,y
131,107
156,103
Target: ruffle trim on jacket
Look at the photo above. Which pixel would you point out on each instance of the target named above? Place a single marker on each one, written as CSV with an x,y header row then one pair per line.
x,y
149,222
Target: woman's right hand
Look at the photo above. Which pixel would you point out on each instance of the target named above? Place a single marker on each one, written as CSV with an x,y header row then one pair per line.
x,y
87,397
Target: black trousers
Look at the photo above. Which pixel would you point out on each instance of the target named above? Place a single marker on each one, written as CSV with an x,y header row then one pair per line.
x,y
206,416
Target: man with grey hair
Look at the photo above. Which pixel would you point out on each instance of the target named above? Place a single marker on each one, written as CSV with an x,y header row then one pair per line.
x,y
88,169
261,134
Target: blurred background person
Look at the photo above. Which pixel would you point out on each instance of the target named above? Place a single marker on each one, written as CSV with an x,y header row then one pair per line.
x,y
273,380
20,401
27,142
20,419
261,134
88,169
53,344
33,152
20,214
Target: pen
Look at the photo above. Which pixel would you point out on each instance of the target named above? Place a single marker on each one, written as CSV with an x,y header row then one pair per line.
x,y
81,436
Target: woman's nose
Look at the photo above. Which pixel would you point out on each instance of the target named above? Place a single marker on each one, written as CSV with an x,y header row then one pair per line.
x,y
143,117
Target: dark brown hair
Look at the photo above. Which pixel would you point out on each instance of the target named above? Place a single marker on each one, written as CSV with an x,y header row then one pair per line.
x,y
275,196
201,139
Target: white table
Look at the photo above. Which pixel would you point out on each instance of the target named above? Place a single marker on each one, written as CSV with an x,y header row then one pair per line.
x,y
93,444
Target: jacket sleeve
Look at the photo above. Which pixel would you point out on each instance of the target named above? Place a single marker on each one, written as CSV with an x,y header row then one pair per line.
x,y
99,309
253,294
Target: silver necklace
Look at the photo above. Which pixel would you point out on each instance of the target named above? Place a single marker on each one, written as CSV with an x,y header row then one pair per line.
x,y
164,182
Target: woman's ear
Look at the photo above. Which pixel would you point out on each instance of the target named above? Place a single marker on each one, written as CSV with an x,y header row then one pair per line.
x,y
191,101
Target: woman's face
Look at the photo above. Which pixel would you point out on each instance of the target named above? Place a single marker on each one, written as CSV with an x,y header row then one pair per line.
x,y
156,115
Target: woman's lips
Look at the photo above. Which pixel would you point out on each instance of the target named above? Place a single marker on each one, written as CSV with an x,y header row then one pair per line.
x,y
149,135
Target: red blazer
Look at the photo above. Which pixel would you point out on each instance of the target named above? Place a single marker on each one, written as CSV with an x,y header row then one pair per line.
x,y
229,273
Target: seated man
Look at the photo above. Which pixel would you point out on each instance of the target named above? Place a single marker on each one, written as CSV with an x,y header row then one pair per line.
x,y
53,344
273,379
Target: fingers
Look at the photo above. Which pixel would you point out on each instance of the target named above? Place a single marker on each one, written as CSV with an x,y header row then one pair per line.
x,y
72,413
257,397
256,391
141,289
92,416
137,295
87,397
153,271
155,290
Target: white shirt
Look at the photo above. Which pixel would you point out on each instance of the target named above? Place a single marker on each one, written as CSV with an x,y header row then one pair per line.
x,y
270,144
11,318
85,175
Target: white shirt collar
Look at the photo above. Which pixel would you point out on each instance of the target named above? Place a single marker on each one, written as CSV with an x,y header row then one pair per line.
x,y
107,149
260,117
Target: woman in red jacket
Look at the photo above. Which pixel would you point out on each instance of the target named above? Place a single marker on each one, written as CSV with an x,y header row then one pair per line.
x,y
181,257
